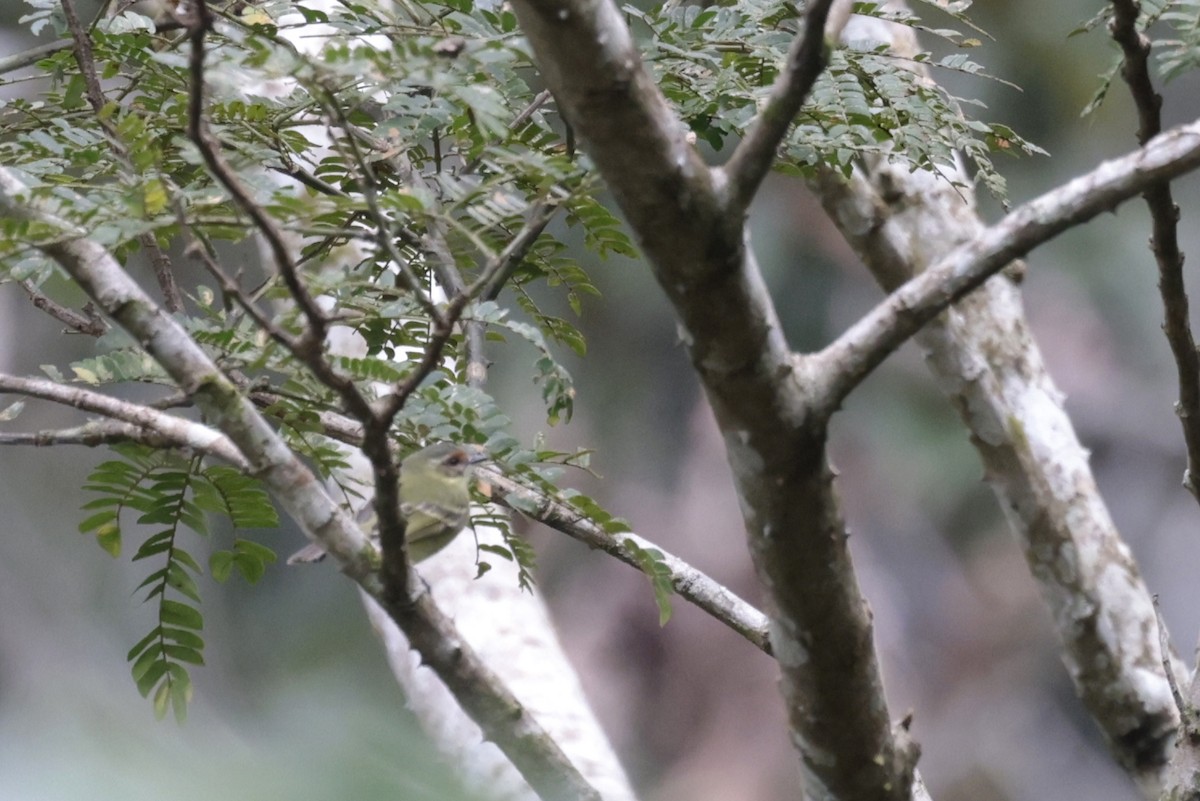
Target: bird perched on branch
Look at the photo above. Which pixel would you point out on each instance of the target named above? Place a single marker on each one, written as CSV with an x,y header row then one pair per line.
x,y
435,499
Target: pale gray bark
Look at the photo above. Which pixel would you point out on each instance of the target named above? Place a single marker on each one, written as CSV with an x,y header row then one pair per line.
x,y
902,223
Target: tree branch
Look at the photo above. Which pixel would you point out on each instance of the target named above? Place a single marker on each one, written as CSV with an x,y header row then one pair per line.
x,y
694,586
506,262
1165,239
706,593
184,433
96,433
91,324
774,437
755,154
33,55
986,361
859,350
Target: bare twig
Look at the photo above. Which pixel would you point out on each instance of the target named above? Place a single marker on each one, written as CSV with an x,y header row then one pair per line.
x,y
448,275
1164,644
539,100
163,273
81,322
33,55
879,332
389,406
184,433
84,57
1165,240
233,289
806,60
692,585
95,434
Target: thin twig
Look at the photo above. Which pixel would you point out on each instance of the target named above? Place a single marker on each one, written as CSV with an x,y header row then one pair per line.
x,y
522,117
384,226
184,432
391,404
81,322
163,272
448,275
1164,242
85,59
752,159
233,289
310,345
505,263
701,590
1186,716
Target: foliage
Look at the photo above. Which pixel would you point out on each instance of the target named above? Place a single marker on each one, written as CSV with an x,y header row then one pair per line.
x,y
408,151
174,492
718,62
1172,28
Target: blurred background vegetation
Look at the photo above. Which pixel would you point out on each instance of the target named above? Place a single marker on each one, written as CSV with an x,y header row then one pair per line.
x,y
297,701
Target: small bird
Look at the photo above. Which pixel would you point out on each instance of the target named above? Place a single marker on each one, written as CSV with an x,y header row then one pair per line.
x,y
435,499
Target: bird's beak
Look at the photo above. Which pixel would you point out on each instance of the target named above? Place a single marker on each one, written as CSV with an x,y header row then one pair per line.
x,y
477,454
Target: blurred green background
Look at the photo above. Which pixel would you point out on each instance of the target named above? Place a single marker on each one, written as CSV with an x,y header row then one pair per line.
x,y
297,702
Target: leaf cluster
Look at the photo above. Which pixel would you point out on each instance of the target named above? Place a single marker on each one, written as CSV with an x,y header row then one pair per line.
x,y
173,494
717,63
402,149
1172,31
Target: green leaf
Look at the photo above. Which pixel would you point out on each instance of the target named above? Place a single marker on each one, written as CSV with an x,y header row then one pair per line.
x,y
255,550
650,561
220,565
98,520
174,613
180,581
497,550
141,645
151,676
155,578
155,544
182,637
162,700
108,537
148,657
183,653
251,568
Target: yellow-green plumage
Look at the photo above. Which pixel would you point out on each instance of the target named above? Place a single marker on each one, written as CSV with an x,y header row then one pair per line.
x,y
435,499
